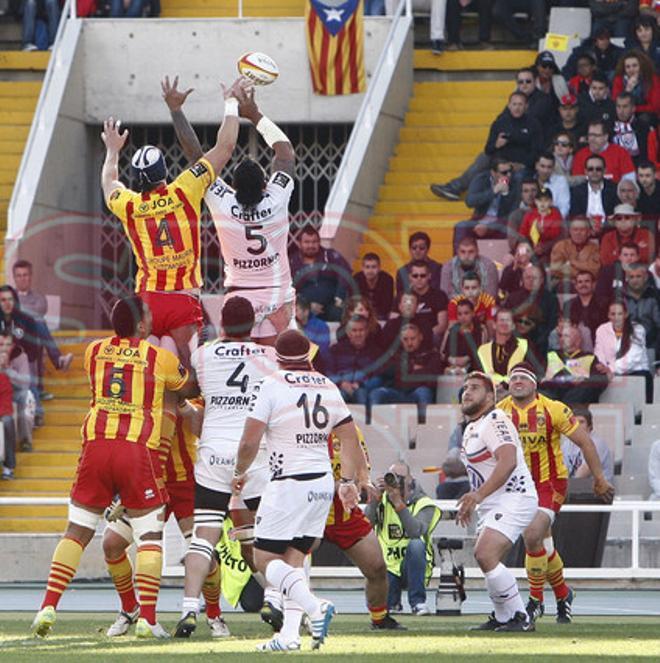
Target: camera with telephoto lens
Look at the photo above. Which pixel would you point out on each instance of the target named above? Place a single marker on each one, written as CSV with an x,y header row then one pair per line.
x,y
394,481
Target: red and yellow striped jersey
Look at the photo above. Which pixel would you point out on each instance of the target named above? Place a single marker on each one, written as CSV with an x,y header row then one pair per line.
x,y
540,426
337,512
164,228
180,462
128,377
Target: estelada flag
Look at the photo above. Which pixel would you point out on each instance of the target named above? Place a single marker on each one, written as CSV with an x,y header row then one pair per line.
x,y
335,44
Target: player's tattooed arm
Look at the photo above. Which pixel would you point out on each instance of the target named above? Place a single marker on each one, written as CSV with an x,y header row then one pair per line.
x,y
175,98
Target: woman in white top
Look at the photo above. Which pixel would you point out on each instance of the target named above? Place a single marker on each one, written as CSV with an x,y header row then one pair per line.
x,y
621,346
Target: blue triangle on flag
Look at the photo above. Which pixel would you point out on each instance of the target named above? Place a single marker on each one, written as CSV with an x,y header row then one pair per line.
x,y
334,16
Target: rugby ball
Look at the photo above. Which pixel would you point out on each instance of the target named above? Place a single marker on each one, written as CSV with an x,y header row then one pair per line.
x,y
258,68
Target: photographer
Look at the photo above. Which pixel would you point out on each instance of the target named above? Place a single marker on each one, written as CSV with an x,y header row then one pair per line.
x,y
404,519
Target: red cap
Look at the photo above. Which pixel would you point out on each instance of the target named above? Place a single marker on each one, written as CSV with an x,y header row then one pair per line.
x,y
568,100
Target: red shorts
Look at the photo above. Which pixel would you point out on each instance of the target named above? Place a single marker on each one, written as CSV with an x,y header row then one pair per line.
x,y
552,494
172,310
116,467
347,533
182,499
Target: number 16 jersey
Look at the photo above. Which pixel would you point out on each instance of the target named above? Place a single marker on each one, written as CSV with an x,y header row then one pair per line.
x,y
254,239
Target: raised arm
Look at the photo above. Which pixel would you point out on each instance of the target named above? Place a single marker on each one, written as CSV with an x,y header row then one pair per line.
x,y
175,98
285,156
114,142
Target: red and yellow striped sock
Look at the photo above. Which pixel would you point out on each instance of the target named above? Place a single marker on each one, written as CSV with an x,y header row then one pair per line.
x,y
121,572
555,575
62,569
536,564
149,561
211,593
378,613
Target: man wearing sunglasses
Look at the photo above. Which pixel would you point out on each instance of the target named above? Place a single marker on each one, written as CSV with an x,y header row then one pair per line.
x,y
618,164
595,198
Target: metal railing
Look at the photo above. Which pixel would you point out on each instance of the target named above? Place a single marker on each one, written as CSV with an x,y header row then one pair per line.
x,y
632,572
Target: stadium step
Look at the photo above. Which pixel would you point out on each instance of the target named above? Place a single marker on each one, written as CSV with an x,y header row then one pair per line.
x,y
36,487
229,8
474,60
41,525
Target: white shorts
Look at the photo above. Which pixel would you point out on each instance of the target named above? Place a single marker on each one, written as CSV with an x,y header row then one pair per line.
x,y
509,515
214,470
265,302
291,508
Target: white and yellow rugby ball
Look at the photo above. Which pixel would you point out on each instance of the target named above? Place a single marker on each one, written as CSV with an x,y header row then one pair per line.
x,y
258,68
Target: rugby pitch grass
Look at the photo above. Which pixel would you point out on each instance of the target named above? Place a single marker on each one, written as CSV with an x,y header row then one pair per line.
x,y
79,637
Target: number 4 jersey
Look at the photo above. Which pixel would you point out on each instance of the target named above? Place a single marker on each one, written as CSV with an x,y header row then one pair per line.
x,y
254,239
300,408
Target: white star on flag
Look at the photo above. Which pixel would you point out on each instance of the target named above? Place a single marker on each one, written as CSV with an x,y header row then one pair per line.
x,y
333,14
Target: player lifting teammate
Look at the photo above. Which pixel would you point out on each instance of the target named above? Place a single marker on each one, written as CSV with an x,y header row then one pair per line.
x,y
163,222
297,409
252,220
541,422
229,372
502,492
121,433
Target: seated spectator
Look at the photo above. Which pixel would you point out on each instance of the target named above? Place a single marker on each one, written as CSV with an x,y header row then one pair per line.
x,y
18,371
563,149
628,192
353,364
549,79
461,344
597,105
586,341
641,297
467,259
557,184
587,309
596,197
621,346
542,225
493,196
374,7
484,304
573,255
626,231
31,9
419,245
573,375
573,457
618,163
630,132
499,356
412,374
7,418
406,312
511,279
646,38
431,303
361,306
586,67
635,75
376,285
126,8
314,328
437,9
34,303
615,15
455,482
529,33
528,189
649,197
319,275
535,309
612,277
454,9
601,47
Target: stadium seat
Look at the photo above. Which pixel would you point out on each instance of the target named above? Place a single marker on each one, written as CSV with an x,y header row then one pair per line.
x,y
359,415
631,487
430,450
610,424
384,448
443,417
626,389
448,388
401,417
570,21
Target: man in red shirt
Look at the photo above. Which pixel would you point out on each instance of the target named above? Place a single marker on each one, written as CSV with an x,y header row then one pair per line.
x,y
618,164
626,230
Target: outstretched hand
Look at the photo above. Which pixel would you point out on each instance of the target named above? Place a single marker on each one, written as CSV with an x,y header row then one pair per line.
x,y
248,108
238,89
114,141
174,98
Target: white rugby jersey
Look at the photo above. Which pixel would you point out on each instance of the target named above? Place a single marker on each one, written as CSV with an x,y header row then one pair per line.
x,y
229,373
481,439
254,240
300,409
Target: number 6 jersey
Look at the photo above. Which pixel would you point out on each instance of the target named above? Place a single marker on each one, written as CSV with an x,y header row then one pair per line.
x,y
254,239
300,408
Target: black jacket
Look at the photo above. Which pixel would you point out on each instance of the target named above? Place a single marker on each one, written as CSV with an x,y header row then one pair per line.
x,y
595,111
580,198
605,60
480,195
525,138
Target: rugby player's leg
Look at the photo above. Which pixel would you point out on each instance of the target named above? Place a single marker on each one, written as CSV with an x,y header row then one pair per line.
x,y
555,576
280,320
182,336
66,558
491,548
536,560
367,555
116,539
